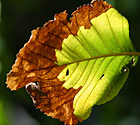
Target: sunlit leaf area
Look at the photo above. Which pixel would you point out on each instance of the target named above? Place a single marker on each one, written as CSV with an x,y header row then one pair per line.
x,y
17,19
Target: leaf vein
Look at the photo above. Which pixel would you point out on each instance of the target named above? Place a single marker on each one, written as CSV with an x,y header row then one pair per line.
x,y
39,55
96,83
117,40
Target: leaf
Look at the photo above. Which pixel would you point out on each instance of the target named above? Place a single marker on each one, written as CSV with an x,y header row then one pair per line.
x,y
68,67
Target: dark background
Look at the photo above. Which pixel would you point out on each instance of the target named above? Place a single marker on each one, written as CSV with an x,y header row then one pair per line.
x,y
17,19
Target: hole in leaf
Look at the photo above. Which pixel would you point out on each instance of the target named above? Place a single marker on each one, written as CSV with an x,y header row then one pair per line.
x,y
67,72
102,76
36,83
32,86
131,63
124,69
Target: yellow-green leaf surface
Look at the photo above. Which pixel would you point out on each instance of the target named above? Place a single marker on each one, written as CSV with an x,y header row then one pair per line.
x,y
93,62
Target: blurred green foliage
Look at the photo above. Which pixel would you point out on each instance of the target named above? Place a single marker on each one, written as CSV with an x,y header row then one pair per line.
x,y
3,115
18,18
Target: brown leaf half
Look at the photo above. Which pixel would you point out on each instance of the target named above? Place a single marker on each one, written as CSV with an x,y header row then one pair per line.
x,y
35,62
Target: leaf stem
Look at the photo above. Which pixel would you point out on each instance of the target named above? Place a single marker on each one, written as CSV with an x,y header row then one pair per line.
x,y
108,55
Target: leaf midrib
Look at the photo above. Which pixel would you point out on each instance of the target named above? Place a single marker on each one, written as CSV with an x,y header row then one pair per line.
x,y
105,55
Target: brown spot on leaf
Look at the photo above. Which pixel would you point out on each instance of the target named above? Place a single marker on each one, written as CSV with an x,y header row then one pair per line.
x,y
35,62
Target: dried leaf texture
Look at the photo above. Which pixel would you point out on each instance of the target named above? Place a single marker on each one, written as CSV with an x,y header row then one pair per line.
x,y
35,62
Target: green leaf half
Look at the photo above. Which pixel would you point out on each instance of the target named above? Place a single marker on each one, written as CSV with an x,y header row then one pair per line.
x,y
101,78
